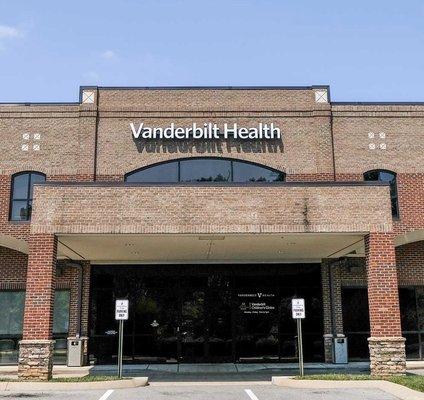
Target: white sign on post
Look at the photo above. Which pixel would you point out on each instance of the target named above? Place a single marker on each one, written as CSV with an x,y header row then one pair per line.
x,y
298,308
121,310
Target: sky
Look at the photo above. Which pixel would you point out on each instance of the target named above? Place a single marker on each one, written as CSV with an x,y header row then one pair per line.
x,y
370,50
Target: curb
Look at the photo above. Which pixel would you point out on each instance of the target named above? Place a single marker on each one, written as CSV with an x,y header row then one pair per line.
x,y
20,386
394,389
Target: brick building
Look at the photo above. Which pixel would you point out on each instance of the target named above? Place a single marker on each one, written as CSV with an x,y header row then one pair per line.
x,y
210,237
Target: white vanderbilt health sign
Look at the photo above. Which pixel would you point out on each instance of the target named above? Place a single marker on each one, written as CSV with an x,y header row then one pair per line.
x,y
298,308
121,310
207,130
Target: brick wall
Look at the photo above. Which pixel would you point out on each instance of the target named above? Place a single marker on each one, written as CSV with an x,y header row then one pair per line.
x,y
411,202
208,100
194,209
13,275
305,147
13,265
410,263
66,141
352,273
397,144
410,189
402,127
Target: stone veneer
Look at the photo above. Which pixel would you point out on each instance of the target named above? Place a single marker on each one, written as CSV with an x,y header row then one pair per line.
x,y
387,356
35,359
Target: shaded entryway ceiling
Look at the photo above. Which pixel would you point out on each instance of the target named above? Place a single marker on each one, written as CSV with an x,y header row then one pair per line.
x,y
187,248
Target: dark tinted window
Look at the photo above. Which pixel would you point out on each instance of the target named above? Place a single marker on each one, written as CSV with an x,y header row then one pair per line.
x,y
356,321
22,188
167,172
408,309
243,172
206,170
61,311
11,312
355,310
411,302
389,177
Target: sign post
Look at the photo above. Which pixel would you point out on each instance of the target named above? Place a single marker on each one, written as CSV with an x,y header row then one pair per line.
x,y
298,313
121,315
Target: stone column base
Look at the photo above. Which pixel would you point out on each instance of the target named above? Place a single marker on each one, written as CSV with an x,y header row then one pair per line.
x,y
387,356
35,359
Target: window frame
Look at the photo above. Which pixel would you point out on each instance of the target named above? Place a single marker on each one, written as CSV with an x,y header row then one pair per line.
x,y
15,335
231,160
28,200
62,334
395,216
419,332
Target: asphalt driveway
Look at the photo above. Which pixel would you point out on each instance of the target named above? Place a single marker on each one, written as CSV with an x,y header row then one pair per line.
x,y
208,391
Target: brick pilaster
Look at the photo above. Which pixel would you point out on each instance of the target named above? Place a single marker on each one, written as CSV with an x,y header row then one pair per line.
x,y
332,305
35,351
387,347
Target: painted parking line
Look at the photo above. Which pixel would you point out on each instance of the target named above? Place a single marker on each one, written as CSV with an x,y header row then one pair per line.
x,y
251,394
106,394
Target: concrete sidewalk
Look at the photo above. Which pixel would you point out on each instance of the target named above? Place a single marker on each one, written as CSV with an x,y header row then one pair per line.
x,y
59,371
228,367
393,389
54,386
62,371
195,370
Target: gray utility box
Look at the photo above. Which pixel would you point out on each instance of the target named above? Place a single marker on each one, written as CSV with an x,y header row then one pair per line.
x,y
340,349
75,352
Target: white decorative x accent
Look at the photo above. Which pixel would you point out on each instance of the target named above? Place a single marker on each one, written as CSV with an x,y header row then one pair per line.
x,y
378,138
321,96
88,97
26,137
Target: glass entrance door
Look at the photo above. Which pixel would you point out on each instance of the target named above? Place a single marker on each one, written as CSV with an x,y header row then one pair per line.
x,y
213,313
206,320
192,326
219,320
257,326
154,326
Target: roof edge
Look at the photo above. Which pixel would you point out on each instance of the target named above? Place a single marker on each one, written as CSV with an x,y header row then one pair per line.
x,y
206,87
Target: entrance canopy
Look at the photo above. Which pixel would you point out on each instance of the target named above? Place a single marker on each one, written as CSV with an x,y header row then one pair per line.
x,y
269,222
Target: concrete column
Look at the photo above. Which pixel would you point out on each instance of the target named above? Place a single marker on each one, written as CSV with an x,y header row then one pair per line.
x,y
36,347
386,344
